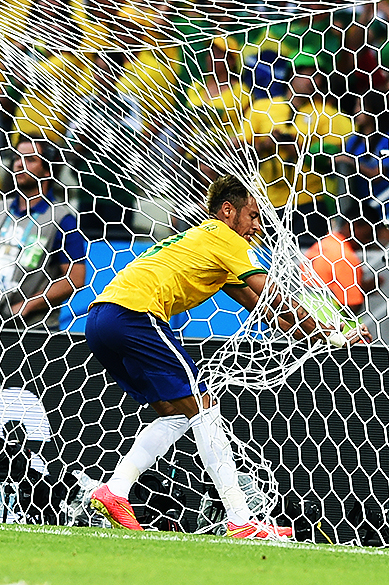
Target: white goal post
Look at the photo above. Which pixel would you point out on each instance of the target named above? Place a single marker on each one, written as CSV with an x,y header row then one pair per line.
x,y
135,107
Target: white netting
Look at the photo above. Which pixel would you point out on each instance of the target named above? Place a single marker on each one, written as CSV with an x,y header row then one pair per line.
x,y
145,103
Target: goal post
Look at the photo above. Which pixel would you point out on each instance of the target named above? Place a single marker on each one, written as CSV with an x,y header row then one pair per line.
x,y
143,104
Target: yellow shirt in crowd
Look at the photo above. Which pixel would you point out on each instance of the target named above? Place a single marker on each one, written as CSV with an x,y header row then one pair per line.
x,y
228,105
322,124
62,76
183,271
152,71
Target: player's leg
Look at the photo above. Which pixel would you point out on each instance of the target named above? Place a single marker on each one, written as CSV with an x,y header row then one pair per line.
x,y
114,506
218,460
154,365
216,454
217,457
154,441
127,361
151,443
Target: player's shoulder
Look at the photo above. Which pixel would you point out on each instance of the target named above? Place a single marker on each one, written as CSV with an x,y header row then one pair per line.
x,y
219,233
209,226
215,227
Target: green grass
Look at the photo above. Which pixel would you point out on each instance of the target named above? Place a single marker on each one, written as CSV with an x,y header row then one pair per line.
x,y
45,555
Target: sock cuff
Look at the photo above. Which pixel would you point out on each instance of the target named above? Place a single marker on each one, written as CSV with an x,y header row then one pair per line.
x,y
210,414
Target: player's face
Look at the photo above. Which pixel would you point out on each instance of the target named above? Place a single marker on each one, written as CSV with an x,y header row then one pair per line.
x,y
28,167
246,221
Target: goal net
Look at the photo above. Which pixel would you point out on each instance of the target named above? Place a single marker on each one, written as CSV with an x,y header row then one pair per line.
x,y
134,108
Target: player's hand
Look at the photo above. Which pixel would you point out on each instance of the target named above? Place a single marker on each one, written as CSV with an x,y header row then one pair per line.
x,y
359,334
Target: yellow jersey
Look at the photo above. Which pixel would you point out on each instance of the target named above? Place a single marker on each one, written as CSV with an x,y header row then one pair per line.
x,y
183,271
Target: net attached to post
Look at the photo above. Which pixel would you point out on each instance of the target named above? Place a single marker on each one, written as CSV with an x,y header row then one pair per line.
x,y
143,105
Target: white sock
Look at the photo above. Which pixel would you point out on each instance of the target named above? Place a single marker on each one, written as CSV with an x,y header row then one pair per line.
x,y
154,441
216,454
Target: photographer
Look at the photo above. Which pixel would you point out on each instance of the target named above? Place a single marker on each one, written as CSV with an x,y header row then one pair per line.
x,y
42,257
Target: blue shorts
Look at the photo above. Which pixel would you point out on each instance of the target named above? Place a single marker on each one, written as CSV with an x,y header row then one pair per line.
x,y
141,354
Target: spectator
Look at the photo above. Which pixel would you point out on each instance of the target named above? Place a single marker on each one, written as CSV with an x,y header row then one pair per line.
x,y
313,34
154,65
363,58
220,98
368,165
153,72
266,72
221,95
106,123
41,252
279,128
54,77
14,57
335,260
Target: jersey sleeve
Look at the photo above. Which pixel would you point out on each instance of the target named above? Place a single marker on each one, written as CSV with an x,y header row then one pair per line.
x,y
240,259
254,264
233,280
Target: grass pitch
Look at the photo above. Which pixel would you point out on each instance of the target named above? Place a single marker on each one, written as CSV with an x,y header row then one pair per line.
x,y
44,555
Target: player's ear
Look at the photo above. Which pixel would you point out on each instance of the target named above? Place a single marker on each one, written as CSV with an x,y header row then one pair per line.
x,y
227,208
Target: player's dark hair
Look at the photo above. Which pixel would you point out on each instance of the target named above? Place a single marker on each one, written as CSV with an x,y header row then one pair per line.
x,y
226,188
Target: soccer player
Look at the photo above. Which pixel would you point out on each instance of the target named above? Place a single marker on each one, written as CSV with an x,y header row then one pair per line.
x,y
127,330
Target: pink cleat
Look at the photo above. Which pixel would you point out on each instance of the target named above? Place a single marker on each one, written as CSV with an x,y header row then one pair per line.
x,y
255,529
116,509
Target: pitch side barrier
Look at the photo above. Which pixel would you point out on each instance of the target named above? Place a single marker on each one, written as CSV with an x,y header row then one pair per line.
x,y
327,441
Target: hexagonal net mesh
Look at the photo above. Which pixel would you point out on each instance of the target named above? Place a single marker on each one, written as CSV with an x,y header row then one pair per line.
x,y
135,107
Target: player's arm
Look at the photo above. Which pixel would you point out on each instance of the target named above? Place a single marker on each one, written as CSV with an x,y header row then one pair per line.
x,y
294,314
245,296
288,315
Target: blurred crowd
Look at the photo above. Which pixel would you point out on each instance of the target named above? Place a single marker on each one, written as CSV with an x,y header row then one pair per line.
x,y
303,101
